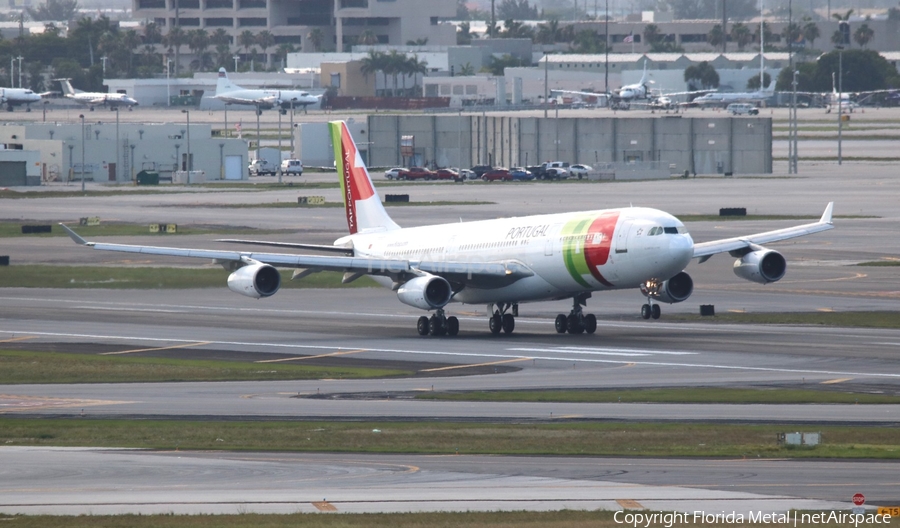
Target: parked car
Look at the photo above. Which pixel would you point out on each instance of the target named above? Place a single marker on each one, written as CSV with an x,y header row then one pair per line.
x,y
521,174
541,171
467,174
292,167
742,109
556,173
497,174
261,167
392,174
415,173
580,171
479,170
447,174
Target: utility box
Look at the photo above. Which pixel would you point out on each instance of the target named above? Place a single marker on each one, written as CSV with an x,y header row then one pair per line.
x,y
147,177
807,439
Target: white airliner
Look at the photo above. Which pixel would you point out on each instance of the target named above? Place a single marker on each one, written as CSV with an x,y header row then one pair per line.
x,y
18,96
92,99
231,93
725,98
500,262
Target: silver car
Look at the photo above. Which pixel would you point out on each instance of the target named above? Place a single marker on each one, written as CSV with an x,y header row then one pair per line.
x,y
391,174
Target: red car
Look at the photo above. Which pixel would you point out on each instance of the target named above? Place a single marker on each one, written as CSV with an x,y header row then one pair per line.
x,y
497,174
416,173
447,174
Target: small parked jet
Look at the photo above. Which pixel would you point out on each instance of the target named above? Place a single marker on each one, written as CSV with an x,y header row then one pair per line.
x,y
18,96
499,262
231,93
92,99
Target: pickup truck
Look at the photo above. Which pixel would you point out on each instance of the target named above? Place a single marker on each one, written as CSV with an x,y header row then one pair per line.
x,y
551,170
262,166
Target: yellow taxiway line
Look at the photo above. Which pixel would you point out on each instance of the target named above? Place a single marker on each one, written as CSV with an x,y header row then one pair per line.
x,y
14,339
184,345
514,360
300,358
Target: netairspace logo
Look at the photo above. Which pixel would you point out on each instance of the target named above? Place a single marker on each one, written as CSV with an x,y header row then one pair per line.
x,y
793,518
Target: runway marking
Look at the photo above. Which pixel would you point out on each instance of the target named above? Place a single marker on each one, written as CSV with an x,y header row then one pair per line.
x,y
14,339
14,403
630,352
325,506
482,355
839,380
630,504
514,360
119,309
300,358
184,345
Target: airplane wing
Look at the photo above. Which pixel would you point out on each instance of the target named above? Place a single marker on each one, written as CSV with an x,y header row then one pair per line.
x,y
97,100
575,92
245,101
316,247
476,274
705,250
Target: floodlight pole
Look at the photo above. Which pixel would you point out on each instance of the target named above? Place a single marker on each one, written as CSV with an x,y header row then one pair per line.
x,y
82,152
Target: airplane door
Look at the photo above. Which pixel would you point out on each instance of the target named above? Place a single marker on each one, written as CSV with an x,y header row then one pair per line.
x,y
622,236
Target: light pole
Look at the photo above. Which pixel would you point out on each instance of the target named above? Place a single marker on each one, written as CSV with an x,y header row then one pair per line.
x,y
168,90
177,158
19,58
117,144
235,57
103,59
221,161
258,143
794,155
292,126
82,152
46,102
226,121
71,164
840,101
133,177
12,71
190,165
279,146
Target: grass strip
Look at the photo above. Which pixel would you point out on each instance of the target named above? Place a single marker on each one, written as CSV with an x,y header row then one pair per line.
x,y
14,230
136,278
562,438
22,366
843,319
673,395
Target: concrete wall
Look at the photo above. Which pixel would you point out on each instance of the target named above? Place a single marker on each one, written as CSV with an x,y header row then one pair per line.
x,y
699,145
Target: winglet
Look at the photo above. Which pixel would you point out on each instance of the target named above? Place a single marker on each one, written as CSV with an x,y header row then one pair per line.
x,y
826,216
74,236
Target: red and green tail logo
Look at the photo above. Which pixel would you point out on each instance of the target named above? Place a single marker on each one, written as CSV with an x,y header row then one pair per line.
x,y
354,178
586,244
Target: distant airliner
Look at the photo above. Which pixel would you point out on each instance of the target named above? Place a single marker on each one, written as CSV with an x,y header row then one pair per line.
x,y
725,98
231,93
92,99
18,96
499,263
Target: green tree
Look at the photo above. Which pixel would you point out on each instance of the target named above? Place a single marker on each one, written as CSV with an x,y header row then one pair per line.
x,y
863,35
198,42
753,82
652,34
152,34
367,38
715,37
464,34
174,39
517,9
246,39
498,64
265,40
416,67
316,37
811,32
589,41
60,10
701,76
741,35
515,29
791,34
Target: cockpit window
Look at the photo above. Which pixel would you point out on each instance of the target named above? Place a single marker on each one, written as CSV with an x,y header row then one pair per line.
x,y
680,230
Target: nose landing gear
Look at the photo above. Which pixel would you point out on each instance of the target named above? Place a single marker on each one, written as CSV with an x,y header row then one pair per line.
x,y
650,310
577,321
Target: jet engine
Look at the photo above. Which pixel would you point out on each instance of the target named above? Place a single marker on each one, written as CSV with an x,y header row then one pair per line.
x,y
427,292
255,280
675,290
762,266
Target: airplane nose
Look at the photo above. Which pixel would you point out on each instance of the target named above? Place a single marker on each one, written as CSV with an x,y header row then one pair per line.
x,y
681,247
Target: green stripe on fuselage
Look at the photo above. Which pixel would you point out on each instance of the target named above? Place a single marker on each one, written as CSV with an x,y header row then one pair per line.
x,y
573,249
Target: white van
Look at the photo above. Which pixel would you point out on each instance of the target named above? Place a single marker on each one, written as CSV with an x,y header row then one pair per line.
x,y
292,167
742,109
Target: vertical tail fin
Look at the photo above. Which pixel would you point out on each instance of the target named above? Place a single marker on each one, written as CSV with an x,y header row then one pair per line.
x,y
361,202
66,87
223,84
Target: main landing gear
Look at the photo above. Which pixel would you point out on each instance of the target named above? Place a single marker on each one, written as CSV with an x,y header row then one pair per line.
x,y
650,310
438,324
503,317
577,322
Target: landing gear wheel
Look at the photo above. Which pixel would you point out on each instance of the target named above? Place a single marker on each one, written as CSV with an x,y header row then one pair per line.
x,y
436,326
574,324
495,323
509,323
422,325
645,311
590,323
560,324
655,311
452,326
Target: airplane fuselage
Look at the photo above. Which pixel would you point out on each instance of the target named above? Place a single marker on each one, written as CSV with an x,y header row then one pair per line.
x,y
269,98
18,96
569,253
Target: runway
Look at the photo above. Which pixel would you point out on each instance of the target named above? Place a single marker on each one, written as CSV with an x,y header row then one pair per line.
x,y
368,326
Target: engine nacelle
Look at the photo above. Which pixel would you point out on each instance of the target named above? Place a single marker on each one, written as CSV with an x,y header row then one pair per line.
x,y
427,292
255,280
677,289
762,266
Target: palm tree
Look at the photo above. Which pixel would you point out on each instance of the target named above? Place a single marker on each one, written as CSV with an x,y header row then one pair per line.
x,y
715,38
845,17
198,41
152,34
222,43
464,34
265,39
416,67
766,36
282,52
246,39
741,35
370,64
548,32
367,38
701,76
811,32
130,41
316,37
863,35
467,69
174,39
652,34
791,34
394,66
